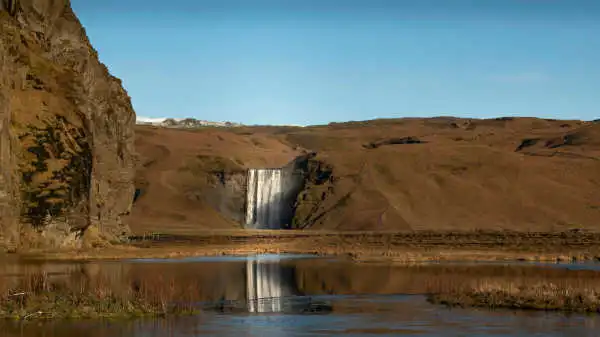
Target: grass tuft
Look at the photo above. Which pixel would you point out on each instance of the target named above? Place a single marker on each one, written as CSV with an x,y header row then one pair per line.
x,y
35,296
547,296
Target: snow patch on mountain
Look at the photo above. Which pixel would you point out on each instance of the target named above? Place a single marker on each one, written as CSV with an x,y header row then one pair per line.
x,y
181,122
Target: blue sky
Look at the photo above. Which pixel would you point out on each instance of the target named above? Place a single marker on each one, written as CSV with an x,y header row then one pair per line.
x,y
317,61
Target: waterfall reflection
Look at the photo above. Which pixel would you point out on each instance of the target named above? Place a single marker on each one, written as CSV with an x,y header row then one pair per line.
x,y
268,285
271,287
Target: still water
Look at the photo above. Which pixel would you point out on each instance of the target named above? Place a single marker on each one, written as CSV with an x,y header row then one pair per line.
x,y
305,296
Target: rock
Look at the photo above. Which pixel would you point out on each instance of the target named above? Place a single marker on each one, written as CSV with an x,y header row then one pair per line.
x,y
66,128
393,141
219,182
527,143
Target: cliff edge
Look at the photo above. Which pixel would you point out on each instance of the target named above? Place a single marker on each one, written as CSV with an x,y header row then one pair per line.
x,y
66,131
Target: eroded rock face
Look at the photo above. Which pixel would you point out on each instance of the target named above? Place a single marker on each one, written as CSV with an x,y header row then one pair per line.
x,y
218,182
318,185
222,184
228,195
66,127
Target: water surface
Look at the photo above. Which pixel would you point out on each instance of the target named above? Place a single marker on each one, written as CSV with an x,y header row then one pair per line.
x,y
307,296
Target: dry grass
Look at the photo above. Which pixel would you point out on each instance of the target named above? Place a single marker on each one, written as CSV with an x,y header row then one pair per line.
x,y
38,296
567,294
388,247
132,289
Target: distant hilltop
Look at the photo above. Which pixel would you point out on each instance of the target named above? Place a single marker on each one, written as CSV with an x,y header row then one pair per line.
x,y
182,122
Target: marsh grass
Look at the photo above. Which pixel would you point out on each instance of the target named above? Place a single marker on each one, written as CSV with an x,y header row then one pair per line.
x,y
36,296
569,294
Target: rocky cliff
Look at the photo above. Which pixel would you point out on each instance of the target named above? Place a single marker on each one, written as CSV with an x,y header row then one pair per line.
x,y
66,128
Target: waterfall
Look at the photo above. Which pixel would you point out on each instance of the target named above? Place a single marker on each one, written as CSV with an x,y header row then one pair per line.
x,y
266,206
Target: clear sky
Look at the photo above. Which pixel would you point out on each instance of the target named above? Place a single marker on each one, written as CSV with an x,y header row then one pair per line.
x,y
316,61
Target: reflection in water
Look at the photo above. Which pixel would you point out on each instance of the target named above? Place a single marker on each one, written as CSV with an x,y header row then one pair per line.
x,y
268,285
359,299
364,316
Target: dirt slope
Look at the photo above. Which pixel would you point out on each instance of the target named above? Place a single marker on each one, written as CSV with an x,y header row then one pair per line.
x,y
168,198
403,174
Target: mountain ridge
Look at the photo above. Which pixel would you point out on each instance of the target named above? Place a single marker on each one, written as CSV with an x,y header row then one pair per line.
x,y
387,175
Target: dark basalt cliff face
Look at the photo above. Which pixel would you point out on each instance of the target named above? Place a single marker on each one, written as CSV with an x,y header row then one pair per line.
x,y
66,131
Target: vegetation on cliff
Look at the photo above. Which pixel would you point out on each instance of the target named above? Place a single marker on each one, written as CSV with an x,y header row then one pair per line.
x,y
67,130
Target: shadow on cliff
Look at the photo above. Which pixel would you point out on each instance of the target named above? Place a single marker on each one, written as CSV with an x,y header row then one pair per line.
x,y
295,175
66,131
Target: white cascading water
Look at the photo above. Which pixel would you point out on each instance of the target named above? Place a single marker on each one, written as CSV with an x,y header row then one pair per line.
x,y
265,199
265,286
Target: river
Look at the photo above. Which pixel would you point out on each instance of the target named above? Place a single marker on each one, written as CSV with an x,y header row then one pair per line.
x,y
307,296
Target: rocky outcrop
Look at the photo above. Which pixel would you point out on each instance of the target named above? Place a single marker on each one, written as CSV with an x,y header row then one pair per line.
x,y
66,128
9,195
392,141
583,142
218,182
318,185
222,184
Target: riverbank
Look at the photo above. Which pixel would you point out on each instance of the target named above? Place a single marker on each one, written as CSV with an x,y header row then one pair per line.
x,y
37,296
393,247
541,296
132,288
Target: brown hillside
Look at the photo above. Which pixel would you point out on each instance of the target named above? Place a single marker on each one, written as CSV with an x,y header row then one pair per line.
x,y
399,174
169,167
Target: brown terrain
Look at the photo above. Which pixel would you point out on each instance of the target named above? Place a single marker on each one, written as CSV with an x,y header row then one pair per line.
x,y
75,171
437,174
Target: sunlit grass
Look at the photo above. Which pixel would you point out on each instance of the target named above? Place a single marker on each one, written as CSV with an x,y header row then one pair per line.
x,y
568,294
37,296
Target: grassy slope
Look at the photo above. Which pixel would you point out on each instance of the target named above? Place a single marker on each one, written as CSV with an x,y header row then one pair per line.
x,y
466,174
166,155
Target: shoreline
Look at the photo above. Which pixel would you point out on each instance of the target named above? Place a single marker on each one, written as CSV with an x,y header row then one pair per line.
x,y
365,247
501,286
545,296
394,257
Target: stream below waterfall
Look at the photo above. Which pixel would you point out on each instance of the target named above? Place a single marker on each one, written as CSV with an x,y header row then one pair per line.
x,y
279,295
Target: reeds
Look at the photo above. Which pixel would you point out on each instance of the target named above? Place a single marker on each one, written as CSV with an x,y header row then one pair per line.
x,y
37,296
566,295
